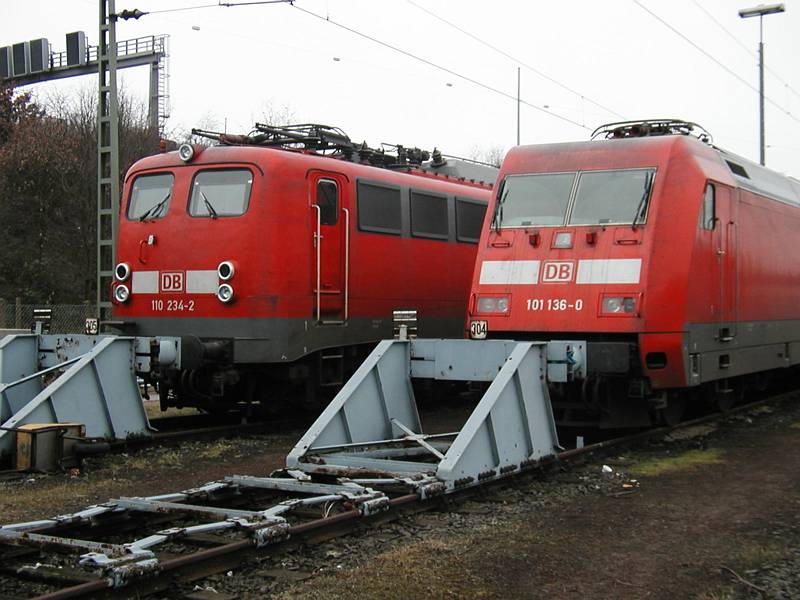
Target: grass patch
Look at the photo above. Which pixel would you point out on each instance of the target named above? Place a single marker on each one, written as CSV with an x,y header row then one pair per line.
x,y
215,450
687,460
747,556
402,573
755,555
51,498
153,410
725,594
795,425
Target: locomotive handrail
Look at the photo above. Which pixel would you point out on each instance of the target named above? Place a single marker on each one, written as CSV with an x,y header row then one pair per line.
x,y
318,243
346,259
733,250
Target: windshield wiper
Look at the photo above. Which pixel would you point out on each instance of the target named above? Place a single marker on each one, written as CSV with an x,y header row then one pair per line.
x,y
643,202
497,217
154,210
209,207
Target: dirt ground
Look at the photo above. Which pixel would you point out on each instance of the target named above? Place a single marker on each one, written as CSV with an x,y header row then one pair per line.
x,y
710,514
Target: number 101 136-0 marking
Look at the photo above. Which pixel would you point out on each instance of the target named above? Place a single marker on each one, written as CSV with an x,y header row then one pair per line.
x,y
556,304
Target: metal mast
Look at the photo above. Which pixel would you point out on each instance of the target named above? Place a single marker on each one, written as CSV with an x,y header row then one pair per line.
x,y
759,11
107,156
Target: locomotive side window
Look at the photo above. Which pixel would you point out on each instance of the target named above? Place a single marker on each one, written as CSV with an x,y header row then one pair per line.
x,y
540,200
469,220
150,195
328,201
429,216
708,215
220,193
379,208
612,197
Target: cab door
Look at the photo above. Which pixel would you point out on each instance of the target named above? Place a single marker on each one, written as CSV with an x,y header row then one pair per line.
x,y
726,242
330,218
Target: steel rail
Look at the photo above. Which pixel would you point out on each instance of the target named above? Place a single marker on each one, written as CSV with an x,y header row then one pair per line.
x,y
91,447
241,546
244,547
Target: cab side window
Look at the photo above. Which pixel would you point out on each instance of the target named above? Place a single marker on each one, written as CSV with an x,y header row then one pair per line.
x,y
708,215
328,201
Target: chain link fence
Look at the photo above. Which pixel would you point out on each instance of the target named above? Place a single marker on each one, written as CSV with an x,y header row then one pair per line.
x,y
66,318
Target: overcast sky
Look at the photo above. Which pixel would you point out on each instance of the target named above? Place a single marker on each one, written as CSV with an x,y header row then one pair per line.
x,y
587,62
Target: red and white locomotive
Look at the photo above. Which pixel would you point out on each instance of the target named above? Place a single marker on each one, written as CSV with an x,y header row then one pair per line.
x,y
280,257
672,258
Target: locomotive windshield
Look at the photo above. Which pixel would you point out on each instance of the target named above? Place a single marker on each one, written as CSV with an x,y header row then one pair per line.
x,y
150,196
221,193
534,199
553,199
611,197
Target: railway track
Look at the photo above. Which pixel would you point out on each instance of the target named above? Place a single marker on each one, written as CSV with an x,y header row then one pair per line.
x,y
48,570
174,430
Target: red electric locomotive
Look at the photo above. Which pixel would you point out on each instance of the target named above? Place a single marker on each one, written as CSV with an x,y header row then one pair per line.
x,y
672,258
279,257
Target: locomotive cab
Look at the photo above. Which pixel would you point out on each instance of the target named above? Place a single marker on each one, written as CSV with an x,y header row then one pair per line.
x,y
564,255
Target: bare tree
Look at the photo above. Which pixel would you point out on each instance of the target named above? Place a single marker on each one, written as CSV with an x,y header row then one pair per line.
x,y
48,192
274,114
492,155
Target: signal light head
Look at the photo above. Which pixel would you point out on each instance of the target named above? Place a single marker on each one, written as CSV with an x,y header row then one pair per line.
x,y
122,271
492,304
121,293
226,270
562,239
618,305
186,152
225,293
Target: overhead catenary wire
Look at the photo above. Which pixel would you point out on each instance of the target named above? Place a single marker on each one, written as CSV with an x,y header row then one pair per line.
x,y
219,4
711,57
745,48
442,68
515,59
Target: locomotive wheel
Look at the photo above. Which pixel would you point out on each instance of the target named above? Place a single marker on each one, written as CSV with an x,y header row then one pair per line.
x,y
674,411
724,402
267,396
727,393
760,382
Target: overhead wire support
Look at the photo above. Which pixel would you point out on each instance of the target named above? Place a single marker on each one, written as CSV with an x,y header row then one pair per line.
x,y
514,58
711,57
441,68
136,13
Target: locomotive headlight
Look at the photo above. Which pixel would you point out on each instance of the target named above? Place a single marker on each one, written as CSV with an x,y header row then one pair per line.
x,y
562,239
225,293
186,152
122,293
226,270
492,304
618,305
122,271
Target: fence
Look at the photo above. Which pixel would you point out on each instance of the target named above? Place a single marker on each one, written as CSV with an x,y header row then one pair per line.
x,y
66,318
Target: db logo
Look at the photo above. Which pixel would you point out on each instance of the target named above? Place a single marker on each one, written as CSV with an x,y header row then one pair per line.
x,y
557,272
172,281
